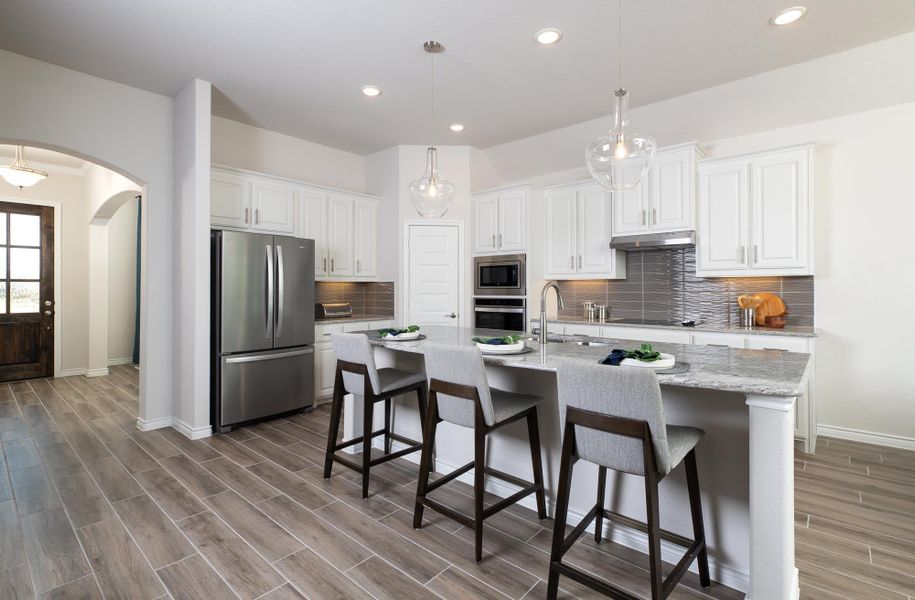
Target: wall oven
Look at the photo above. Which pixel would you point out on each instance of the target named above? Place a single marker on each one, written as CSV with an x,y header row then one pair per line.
x,y
502,275
500,313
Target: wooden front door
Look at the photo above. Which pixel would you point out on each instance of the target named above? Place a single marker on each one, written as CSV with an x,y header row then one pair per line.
x,y
26,291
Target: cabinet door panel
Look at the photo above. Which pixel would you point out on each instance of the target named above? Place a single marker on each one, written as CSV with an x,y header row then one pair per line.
x,y
274,207
670,193
366,241
340,235
313,226
512,222
560,232
779,208
593,231
230,200
485,224
325,370
630,210
722,218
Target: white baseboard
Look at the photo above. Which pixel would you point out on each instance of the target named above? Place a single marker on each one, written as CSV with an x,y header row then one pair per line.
x,y
120,361
191,432
671,553
73,372
144,425
867,437
96,372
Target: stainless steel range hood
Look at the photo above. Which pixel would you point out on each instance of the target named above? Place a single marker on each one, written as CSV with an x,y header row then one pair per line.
x,y
654,241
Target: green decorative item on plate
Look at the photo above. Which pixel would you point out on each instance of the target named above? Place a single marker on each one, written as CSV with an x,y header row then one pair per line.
x,y
505,340
394,332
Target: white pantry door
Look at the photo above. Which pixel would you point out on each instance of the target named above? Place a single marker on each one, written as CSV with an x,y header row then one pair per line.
x,y
434,275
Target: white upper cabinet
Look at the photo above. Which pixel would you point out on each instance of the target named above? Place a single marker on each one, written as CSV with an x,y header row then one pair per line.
x,y
344,225
578,234
365,246
755,214
313,226
340,235
665,198
230,200
485,223
273,206
500,221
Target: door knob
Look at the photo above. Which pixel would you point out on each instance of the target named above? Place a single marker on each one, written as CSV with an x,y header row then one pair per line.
x,y
451,316
48,303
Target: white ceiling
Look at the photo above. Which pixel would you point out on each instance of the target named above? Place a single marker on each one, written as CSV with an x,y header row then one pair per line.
x,y
296,66
42,159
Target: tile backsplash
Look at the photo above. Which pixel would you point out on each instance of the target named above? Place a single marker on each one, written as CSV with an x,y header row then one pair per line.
x,y
662,284
367,298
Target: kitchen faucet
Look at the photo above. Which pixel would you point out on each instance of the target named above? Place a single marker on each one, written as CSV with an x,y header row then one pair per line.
x,y
546,286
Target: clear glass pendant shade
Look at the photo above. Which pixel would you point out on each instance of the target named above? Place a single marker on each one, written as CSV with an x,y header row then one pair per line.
x,y
20,173
620,159
430,194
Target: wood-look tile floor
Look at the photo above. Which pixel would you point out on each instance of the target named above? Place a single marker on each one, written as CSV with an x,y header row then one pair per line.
x,y
91,508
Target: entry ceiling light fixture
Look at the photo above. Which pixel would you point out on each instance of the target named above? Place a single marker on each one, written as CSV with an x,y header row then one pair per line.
x,y
20,173
789,15
548,36
430,194
618,161
457,127
371,90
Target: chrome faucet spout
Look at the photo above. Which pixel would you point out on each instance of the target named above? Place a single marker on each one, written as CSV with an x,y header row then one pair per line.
x,y
543,291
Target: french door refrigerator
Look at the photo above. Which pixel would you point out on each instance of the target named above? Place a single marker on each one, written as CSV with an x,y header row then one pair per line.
x,y
263,329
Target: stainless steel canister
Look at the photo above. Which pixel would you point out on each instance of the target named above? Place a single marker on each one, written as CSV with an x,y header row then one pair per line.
x,y
747,317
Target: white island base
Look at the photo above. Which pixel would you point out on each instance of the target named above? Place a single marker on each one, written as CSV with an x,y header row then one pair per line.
x,y
745,463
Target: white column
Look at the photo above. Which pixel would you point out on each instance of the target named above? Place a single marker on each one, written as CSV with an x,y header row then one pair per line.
x,y
97,363
772,571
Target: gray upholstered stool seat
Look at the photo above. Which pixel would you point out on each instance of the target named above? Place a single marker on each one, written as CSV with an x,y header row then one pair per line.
x,y
392,379
614,417
358,375
459,393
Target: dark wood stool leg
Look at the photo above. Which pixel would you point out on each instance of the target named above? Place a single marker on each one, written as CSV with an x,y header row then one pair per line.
x,y
430,423
336,408
367,423
654,534
533,432
387,426
695,505
479,466
562,511
601,490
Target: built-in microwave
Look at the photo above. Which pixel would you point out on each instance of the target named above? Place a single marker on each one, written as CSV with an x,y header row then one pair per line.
x,y
500,275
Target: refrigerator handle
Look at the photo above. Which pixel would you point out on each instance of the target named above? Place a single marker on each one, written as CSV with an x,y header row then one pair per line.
x,y
268,328
280,290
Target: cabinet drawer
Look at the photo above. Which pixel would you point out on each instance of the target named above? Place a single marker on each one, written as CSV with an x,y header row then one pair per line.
x,y
661,336
707,338
777,342
323,331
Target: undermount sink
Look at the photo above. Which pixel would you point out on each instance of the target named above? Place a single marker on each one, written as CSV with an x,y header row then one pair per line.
x,y
592,343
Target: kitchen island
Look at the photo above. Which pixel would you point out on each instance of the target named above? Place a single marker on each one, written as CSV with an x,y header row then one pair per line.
x,y
743,399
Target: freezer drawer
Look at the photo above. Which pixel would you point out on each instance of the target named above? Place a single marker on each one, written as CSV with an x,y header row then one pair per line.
x,y
261,384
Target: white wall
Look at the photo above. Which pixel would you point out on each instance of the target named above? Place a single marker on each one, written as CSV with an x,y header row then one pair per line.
x,y
192,146
129,130
122,278
247,147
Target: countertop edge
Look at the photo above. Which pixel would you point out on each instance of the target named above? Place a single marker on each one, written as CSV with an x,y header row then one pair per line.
x,y
805,332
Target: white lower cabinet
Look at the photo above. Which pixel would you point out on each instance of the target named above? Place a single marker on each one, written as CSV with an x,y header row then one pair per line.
x,y
639,334
326,361
711,338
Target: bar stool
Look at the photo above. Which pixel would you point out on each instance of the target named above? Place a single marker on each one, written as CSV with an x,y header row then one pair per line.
x,y
614,417
459,393
357,375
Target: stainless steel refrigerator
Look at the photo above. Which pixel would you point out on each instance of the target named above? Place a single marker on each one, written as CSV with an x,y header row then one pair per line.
x,y
263,329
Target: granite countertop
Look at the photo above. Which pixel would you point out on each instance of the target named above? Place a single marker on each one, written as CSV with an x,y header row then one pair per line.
x,y
763,372
356,318
788,330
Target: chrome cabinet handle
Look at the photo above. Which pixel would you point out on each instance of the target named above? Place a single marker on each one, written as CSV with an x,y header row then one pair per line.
x,y
579,261
493,240
451,316
654,216
500,240
246,214
644,219
257,216
755,253
718,345
332,269
572,262
358,268
743,254
325,264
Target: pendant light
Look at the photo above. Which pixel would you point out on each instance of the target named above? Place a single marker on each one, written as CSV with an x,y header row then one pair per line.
x,y
619,160
430,194
20,173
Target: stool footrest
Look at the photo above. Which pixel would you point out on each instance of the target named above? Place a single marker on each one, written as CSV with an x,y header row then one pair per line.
x,y
506,477
346,462
579,529
354,441
640,526
506,502
592,582
449,477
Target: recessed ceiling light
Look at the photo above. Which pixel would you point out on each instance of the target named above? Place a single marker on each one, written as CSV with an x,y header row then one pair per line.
x,y
789,15
371,90
456,127
548,36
